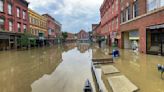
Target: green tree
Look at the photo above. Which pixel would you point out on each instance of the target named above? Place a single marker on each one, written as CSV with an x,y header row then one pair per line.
x,y
26,40
64,35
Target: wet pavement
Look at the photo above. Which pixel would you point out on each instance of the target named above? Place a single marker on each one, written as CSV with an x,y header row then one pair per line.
x,y
66,68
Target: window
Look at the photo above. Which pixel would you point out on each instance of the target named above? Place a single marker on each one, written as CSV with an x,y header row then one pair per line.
x,y
128,13
1,5
18,26
117,24
2,24
10,26
135,9
24,14
116,5
153,4
24,28
123,16
161,3
112,8
18,12
9,9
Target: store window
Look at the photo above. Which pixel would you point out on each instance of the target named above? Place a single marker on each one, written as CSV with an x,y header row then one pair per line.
x,y
2,24
1,5
9,9
10,26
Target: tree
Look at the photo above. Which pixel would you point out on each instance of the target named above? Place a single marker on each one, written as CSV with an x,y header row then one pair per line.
x,y
64,35
26,40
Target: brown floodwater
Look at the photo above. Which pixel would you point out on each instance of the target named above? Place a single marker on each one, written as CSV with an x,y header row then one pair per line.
x,y
51,69
141,69
66,68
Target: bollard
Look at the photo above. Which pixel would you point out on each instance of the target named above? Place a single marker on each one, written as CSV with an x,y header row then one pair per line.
x,y
160,69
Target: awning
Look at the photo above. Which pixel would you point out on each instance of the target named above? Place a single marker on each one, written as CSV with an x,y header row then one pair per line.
x,y
156,26
134,38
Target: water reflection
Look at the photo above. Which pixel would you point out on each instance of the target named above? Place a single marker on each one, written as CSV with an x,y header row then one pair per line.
x,y
19,69
69,76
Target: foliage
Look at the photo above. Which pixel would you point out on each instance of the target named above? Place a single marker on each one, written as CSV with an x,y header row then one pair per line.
x,y
26,39
64,35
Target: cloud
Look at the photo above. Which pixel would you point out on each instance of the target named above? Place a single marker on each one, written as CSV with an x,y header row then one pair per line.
x,y
73,14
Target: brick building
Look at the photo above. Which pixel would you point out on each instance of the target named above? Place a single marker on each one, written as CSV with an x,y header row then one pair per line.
x,y
71,37
83,36
13,22
110,21
54,29
142,25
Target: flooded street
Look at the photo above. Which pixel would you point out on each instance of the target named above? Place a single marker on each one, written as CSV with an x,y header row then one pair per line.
x,y
140,69
55,69
66,68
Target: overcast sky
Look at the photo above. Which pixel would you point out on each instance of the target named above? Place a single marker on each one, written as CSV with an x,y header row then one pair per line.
x,y
72,14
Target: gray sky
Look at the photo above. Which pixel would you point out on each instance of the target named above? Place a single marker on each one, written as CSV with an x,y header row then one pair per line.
x,y
72,14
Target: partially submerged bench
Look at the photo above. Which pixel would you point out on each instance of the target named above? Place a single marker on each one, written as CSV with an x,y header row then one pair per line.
x,y
121,84
109,69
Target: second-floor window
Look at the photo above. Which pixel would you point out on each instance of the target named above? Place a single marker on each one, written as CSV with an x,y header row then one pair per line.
x,y
10,26
18,12
135,9
1,5
24,28
153,4
128,13
19,27
24,14
2,24
9,9
117,24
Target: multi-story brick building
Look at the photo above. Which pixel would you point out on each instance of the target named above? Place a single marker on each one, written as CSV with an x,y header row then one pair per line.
x,y
54,29
13,22
110,20
142,25
38,23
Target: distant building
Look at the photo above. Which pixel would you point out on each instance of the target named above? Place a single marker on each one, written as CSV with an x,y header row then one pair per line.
x,y
83,36
71,37
54,29
13,22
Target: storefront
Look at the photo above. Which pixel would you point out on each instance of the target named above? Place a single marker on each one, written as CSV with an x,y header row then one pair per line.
x,y
131,40
155,39
8,40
